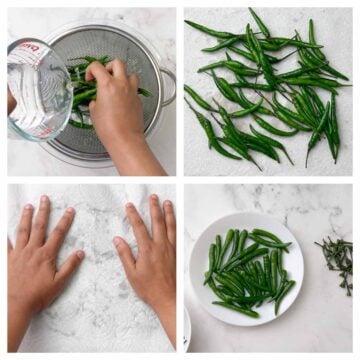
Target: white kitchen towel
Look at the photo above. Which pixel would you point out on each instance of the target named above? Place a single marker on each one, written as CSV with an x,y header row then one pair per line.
x,y
98,311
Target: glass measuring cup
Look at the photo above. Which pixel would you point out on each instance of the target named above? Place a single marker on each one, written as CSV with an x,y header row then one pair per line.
x,y
41,86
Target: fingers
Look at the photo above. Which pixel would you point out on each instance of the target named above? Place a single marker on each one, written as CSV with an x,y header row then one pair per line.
x,y
170,221
60,231
118,69
9,246
125,254
134,81
38,232
140,231
24,229
69,267
157,219
97,71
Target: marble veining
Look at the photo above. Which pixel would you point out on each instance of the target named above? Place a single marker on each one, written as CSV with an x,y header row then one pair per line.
x,y
333,28
156,24
98,312
320,320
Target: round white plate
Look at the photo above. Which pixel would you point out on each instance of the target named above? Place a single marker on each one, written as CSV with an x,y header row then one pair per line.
x,y
187,330
199,262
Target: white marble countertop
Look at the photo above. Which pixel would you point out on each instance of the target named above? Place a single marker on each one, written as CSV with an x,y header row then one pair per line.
x,y
333,29
98,311
320,320
156,24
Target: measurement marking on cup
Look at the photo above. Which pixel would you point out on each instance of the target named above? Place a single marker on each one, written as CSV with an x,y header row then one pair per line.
x,y
30,46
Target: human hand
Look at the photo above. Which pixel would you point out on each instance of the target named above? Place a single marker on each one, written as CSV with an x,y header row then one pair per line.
x,y
33,279
117,116
153,273
117,112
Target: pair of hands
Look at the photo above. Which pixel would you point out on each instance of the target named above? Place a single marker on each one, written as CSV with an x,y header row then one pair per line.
x,y
34,280
118,119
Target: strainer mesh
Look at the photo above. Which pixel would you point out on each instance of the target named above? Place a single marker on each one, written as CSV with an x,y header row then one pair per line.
x,y
98,42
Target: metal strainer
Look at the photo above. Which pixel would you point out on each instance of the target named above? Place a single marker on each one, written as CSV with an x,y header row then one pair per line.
x,y
98,40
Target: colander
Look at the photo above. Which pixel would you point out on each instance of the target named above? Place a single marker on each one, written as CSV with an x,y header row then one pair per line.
x,y
81,146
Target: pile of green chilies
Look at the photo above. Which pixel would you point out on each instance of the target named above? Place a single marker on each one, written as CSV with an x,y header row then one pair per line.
x,y
339,257
241,281
299,86
85,91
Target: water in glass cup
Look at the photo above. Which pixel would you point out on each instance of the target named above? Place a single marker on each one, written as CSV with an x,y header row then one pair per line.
x,y
41,86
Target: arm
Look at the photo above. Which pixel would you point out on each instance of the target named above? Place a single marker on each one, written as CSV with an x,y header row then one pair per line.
x,y
153,273
118,119
33,280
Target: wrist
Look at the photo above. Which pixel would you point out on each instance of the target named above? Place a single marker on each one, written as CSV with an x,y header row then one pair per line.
x,y
19,317
126,143
132,156
166,313
19,309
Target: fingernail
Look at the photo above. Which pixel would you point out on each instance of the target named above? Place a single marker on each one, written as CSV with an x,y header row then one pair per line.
x,y
129,205
44,198
116,241
154,196
28,207
167,203
80,254
70,210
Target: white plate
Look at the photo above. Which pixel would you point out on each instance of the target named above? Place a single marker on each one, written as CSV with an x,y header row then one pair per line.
x,y
187,330
199,261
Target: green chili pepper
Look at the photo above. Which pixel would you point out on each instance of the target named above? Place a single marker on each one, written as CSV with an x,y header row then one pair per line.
x,y
237,308
228,240
271,142
312,41
218,247
224,281
317,133
270,235
223,44
235,245
260,24
270,244
279,260
215,290
235,66
243,237
267,269
271,129
250,110
274,266
201,102
218,34
205,123
247,85
247,258
286,290
212,264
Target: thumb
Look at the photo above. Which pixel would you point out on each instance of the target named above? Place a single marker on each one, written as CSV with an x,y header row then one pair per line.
x,y
69,267
125,255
